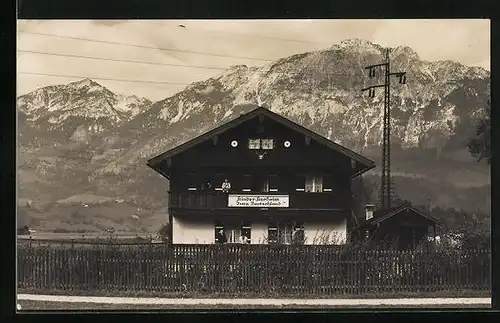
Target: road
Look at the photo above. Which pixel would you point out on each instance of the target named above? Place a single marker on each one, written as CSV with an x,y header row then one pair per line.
x,y
427,302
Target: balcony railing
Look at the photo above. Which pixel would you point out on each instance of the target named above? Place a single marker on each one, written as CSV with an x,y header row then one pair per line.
x,y
296,200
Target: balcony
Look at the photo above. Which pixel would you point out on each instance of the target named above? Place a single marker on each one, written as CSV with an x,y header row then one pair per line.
x,y
216,200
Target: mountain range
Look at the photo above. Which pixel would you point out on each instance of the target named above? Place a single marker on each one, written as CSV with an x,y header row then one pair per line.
x,y
82,148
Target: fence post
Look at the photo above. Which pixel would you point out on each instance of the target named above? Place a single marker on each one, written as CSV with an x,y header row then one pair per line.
x,y
299,269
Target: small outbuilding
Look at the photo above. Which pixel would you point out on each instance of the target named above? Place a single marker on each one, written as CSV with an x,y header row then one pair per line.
x,y
402,227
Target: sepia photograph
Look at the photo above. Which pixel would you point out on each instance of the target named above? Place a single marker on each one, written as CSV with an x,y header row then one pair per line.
x,y
253,164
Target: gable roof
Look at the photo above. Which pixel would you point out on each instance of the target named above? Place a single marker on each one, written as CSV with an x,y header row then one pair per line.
x,y
258,111
384,214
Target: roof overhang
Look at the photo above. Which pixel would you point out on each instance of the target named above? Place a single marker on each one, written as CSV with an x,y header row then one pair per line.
x,y
402,208
365,163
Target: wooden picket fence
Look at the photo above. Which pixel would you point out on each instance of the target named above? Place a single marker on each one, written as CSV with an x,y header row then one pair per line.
x,y
280,269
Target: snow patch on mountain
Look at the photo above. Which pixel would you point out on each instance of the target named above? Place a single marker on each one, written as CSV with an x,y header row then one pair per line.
x,y
179,112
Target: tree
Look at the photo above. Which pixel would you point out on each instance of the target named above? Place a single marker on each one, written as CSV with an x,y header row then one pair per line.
x,y
480,145
362,191
164,232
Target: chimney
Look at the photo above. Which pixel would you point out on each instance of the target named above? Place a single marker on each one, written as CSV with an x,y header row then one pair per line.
x,y
369,211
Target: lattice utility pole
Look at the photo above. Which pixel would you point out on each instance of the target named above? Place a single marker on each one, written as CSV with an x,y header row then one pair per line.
x,y
386,191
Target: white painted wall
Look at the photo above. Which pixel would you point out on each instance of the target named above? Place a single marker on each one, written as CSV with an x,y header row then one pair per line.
x,y
259,233
330,231
186,231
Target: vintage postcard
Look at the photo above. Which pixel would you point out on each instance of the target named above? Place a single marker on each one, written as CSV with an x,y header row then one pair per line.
x,y
253,164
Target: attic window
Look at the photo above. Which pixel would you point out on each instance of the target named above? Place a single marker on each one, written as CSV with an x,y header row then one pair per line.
x,y
253,143
266,144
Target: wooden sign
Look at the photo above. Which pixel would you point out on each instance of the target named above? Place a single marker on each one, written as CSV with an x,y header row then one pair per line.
x,y
263,201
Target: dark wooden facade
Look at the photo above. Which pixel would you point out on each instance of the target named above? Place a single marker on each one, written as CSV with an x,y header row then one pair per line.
x,y
297,158
218,201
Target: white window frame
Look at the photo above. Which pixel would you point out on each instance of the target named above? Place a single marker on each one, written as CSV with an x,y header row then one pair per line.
x,y
254,144
269,141
265,186
314,182
273,228
248,227
261,143
233,233
284,231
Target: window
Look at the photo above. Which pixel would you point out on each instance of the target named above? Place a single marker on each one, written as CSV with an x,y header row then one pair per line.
x,y
286,233
272,233
298,234
246,232
299,183
273,183
247,183
267,144
218,180
192,182
253,143
219,233
270,184
327,183
232,233
314,183
264,188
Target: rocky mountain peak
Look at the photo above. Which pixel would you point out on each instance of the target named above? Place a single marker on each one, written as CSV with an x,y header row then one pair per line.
x,y
84,83
432,116
81,107
358,45
405,51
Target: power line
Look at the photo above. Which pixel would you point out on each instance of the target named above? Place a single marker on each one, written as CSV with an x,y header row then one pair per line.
x,y
121,60
386,192
101,78
144,46
168,64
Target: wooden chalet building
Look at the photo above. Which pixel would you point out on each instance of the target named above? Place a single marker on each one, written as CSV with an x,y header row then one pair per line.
x,y
287,184
401,227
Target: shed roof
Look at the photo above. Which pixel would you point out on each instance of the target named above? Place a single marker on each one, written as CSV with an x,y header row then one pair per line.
x,y
381,215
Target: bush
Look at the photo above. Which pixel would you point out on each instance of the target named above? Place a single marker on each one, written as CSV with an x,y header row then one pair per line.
x,y
164,232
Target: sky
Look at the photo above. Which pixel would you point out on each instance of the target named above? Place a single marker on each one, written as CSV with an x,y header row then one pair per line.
x,y
163,43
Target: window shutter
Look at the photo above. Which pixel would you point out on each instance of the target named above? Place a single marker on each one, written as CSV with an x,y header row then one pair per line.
x,y
192,182
327,183
218,179
298,235
218,236
247,184
273,183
